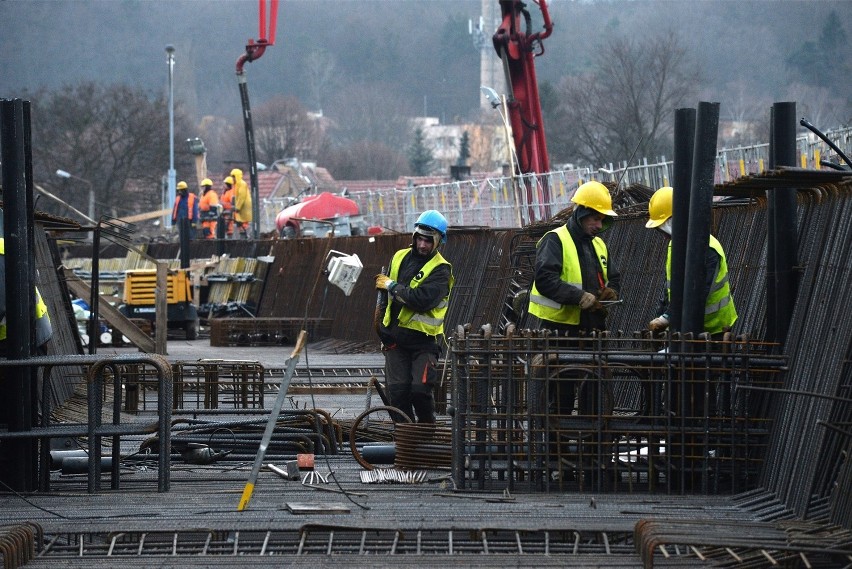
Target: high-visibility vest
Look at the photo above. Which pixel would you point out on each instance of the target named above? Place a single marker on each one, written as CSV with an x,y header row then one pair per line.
x,y
430,322
719,310
207,205
190,207
44,330
548,309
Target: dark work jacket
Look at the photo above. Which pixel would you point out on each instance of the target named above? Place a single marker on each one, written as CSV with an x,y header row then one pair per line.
x,y
548,272
425,296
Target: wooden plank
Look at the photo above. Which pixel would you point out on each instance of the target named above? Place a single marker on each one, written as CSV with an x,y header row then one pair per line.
x,y
146,215
109,313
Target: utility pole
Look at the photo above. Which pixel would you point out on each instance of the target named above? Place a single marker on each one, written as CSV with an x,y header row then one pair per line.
x,y
170,51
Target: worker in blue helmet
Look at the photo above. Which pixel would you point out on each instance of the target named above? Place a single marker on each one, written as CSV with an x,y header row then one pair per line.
x,y
418,286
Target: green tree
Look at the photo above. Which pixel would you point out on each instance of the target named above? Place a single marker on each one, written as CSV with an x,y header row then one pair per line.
x,y
823,63
420,156
464,149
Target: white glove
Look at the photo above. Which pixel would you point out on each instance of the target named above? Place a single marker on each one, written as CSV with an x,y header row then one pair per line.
x,y
587,301
658,324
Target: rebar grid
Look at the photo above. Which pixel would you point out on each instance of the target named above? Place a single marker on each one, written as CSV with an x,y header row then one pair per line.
x,y
541,413
338,540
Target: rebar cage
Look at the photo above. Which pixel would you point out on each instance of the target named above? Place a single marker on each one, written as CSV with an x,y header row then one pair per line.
x,y
537,412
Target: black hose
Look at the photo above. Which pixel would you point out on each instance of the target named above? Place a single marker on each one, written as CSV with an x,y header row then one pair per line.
x,y
804,122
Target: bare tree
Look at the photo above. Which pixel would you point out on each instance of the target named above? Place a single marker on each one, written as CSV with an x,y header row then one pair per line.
x,y
283,129
321,75
631,95
372,112
365,160
110,136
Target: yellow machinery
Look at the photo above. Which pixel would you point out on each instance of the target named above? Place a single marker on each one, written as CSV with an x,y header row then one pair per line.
x,y
140,288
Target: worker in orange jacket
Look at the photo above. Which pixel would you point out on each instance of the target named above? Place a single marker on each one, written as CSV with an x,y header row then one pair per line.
x,y
227,202
208,208
186,206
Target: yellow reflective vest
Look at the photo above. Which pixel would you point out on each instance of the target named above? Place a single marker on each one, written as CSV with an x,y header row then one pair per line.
x,y
432,321
43,327
719,310
548,309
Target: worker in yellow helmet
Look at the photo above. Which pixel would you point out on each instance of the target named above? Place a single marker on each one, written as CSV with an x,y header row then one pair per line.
x,y
242,203
186,205
208,208
719,311
227,201
574,273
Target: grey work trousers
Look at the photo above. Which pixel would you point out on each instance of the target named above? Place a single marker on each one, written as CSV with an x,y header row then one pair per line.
x,y
411,377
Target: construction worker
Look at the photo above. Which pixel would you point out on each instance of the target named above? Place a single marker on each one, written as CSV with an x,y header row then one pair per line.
x,y
719,311
573,274
688,400
573,271
227,202
242,203
418,286
43,327
186,206
208,208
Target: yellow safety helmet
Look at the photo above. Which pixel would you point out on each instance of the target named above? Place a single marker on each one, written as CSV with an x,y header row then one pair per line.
x,y
206,182
660,207
182,185
229,180
594,195
237,173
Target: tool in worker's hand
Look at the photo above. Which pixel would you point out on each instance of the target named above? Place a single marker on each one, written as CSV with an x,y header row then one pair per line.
x,y
273,418
381,303
610,302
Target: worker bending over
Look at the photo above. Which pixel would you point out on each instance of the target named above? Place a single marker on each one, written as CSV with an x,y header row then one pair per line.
x,y
719,311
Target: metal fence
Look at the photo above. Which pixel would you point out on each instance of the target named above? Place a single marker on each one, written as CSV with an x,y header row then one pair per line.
x,y
516,201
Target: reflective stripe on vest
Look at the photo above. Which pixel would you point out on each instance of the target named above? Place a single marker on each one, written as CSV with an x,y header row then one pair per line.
x,y
547,308
432,321
719,309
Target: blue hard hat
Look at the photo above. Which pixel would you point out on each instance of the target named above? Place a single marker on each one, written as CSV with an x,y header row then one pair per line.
x,y
432,219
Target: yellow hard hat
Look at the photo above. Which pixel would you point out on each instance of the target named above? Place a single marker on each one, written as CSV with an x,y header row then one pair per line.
x,y
237,173
206,182
594,195
229,180
182,185
660,207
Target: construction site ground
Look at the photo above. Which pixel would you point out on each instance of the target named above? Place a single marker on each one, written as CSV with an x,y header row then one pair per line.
x,y
346,521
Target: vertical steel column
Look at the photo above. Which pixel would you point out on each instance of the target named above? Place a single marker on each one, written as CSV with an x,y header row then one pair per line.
x,y
19,384
184,230
784,217
771,295
684,144
700,209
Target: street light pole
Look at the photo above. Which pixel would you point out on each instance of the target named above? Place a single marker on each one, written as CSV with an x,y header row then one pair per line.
x,y
170,51
66,175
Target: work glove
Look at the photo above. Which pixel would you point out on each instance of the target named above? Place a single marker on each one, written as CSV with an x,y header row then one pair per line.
x,y
587,301
384,282
607,293
658,324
